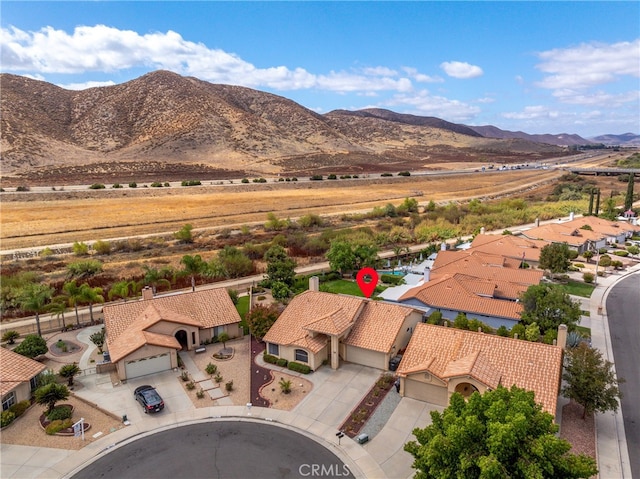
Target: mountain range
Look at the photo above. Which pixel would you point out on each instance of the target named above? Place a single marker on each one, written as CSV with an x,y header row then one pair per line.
x,y
166,118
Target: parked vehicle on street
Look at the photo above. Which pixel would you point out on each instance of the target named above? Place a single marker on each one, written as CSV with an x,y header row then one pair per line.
x,y
149,398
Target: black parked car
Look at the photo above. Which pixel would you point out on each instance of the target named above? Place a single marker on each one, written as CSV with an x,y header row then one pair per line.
x,y
149,398
394,362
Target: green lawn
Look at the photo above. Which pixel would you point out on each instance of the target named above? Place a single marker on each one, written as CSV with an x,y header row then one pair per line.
x,y
578,288
343,286
243,309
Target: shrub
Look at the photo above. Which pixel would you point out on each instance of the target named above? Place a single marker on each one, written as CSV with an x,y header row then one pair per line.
x,y
191,183
200,394
391,279
10,336
133,184
624,254
269,358
503,331
7,418
97,186
156,184
285,385
22,188
386,174
578,265
19,408
229,386
518,329
116,185
404,173
184,376
60,413
316,178
57,426
588,278
32,346
244,180
282,362
211,369
190,385
218,378
299,367
332,177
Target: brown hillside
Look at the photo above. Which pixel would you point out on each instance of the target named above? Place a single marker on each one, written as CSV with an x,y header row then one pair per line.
x,y
165,118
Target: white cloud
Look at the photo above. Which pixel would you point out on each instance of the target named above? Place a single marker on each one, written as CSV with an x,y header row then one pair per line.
x,y
596,98
588,65
461,70
102,48
421,77
423,103
84,86
532,112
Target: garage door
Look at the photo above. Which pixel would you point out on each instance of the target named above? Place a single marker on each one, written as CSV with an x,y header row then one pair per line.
x,y
150,365
426,392
366,357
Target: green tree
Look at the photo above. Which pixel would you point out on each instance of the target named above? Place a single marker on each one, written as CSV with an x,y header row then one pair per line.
x,y
193,266
628,198
230,263
590,380
260,319
35,299
532,332
98,338
549,306
280,291
69,371
51,394
501,433
74,295
122,289
32,346
554,257
223,337
58,307
154,277
609,212
280,267
341,256
184,235
91,296
588,254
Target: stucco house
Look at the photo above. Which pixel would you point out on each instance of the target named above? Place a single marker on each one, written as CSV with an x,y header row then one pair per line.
x,y
18,377
484,286
440,361
319,327
510,246
143,337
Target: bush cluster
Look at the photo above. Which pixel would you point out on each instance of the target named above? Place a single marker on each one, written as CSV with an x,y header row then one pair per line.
x,y
391,279
282,362
299,367
6,418
269,358
57,426
60,413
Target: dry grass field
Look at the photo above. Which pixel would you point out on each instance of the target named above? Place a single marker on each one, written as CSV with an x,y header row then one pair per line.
x,y
39,219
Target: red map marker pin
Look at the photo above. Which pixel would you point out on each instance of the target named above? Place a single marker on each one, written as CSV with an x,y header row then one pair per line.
x,y
367,279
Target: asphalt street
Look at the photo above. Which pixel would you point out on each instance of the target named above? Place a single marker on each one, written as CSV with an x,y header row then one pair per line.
x,y
623,311
221,449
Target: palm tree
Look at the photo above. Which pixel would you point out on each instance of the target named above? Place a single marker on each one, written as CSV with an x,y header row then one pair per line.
x,y
34,299
193,265
154,278
58,307
91,295
122,289
72,290
50,394
68,371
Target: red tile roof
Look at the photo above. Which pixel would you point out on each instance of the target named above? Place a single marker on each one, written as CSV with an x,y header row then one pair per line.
x,y
16,369
448,353
508,245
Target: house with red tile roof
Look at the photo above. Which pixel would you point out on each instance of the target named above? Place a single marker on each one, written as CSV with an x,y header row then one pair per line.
x,y
510,246
484,286
440,361
18,377
318,327
143,337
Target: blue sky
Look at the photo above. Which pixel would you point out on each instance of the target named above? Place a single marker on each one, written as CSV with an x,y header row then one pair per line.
x,y
539,67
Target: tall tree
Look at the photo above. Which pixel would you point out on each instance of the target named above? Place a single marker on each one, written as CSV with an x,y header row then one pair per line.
x,y
597,202
555,258
628,199
35,299
98,338
69,371
74,295
590,202
549,306
122,289
31,346
260,319
280,267
590,380
193,266
154,277
58,307
501,433
91,296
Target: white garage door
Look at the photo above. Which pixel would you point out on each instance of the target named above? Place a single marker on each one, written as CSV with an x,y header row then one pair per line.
x,y
150,365
366,357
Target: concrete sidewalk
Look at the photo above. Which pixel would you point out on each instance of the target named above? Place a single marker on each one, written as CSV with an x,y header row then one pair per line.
x,y
613,453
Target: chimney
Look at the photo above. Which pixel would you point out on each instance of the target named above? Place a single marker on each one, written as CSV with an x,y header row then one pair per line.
x,y
562,336
482,230
571,216
147,293
427,275
314,284
443,247
537,222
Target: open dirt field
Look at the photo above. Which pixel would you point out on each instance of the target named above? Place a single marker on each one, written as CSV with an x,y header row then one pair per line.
x,y
38,219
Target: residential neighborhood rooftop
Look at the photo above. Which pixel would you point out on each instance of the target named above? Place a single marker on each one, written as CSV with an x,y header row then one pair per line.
x,y
15,369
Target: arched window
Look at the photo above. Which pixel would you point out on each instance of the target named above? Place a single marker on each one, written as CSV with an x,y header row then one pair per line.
x,y
302,356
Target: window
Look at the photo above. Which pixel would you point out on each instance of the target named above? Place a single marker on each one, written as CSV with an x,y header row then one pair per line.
x,y
217,330
8,401
302,356
274,349
34,383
